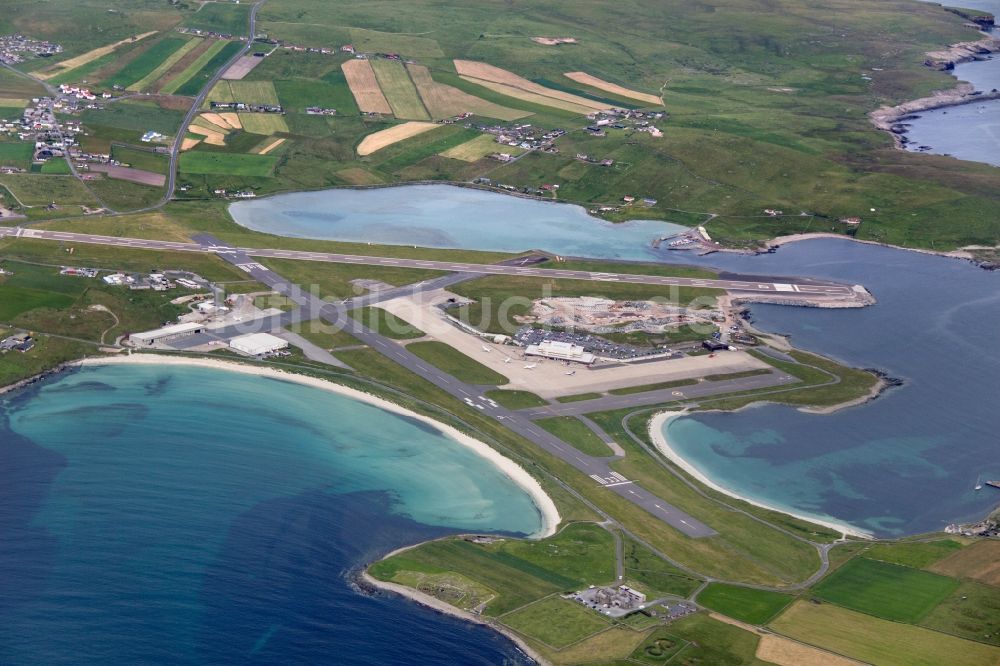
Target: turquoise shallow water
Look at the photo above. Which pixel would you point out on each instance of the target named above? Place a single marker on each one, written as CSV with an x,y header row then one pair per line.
x,y
189,515
450,217
905,463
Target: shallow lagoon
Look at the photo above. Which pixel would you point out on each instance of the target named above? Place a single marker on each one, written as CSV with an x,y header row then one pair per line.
x,y
186,515
908,461
448,216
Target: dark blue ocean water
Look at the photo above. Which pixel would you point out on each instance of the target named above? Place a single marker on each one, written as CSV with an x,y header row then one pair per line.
x,y
908,461
191,516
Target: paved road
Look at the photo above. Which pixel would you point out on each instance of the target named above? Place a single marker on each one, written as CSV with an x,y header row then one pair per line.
x,y
596,468
195,108
806,290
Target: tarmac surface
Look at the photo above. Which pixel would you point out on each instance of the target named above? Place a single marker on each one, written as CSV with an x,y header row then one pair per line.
x,y
521,421
336,314
797,289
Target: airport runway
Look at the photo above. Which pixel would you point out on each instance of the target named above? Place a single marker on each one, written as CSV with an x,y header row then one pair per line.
x,y
659,397
597,469
799,289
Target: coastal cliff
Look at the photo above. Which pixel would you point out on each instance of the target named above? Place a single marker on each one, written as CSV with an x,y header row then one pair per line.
x,y
888,118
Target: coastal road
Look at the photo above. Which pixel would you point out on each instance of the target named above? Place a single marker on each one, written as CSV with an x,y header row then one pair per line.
x,y
597,469
791,290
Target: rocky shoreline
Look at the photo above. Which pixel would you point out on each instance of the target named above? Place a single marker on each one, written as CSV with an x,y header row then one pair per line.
x,y
34,379
364,583
890,118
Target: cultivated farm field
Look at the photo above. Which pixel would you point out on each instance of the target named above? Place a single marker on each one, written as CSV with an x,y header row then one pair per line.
x,y
885,590
399,89
443,101
263,123
365,87
607,86
980,561
230,164
384,138
878,641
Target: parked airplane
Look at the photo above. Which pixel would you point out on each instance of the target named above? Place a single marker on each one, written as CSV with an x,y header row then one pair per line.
x,y
571,373
507,360
531,366
486,349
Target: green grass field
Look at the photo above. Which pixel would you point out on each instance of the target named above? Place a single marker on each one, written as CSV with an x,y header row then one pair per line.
x,y
222,17
972,611
148,81
456,363
399,89
140,159
252,92
148,60
194,81
977,561
329,92
182,77
16,153
387,324
334,281
577,397
556,622
520,571
876,641
885,590
513,399
263,123
628,390
572,431
658,648
202,162
478,148
39,189
743,603
135,116
649,573
917,554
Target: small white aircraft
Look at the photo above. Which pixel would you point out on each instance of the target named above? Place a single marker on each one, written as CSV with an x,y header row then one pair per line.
x,y
531,366
570,373
486,349
507,360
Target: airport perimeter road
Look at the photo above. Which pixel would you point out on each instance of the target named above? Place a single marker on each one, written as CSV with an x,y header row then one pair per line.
x,y
803,290
597,469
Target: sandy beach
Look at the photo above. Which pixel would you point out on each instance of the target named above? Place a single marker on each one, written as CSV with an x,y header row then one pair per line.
x,y
656,435
516,473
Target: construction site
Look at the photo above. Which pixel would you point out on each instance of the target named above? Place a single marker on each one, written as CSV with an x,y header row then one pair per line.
x,y
551,371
